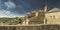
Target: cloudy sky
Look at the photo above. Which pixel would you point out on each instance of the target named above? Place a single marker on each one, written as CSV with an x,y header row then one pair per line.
x,y
10,8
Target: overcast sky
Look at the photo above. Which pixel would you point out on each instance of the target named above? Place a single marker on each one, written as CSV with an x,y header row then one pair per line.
x,y
22,7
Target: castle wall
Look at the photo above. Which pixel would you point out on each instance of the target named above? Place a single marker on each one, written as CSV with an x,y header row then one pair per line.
x,y
31,27
38,19
44,18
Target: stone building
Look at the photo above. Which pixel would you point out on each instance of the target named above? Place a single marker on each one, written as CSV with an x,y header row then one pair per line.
x,y
53,16
43,17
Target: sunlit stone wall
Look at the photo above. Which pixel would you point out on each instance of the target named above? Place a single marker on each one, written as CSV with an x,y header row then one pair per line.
x,y
52,18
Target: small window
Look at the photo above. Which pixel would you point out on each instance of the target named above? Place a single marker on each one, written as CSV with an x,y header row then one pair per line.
x,y
51,17
54,17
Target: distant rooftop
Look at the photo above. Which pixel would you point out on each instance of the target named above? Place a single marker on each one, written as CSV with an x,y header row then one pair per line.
x,y
54,10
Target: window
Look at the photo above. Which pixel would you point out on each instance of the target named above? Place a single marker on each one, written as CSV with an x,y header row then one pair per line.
x,y
45,21
54,17
50,17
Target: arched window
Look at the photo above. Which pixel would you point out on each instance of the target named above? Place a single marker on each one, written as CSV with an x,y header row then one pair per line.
x,y
45,21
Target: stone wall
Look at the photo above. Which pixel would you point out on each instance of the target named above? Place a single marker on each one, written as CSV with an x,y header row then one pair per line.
x,y
38,19
31,27
53,18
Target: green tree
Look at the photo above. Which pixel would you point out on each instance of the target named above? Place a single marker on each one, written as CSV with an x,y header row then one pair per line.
x,y
19,20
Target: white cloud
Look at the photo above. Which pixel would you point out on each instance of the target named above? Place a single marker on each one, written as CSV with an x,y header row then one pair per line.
x,y
6,13
10,4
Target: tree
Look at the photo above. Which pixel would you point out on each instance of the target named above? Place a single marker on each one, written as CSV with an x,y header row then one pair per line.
x,y
19,20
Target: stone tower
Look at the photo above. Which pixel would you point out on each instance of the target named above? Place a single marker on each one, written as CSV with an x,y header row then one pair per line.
x,y
45,11
46,8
